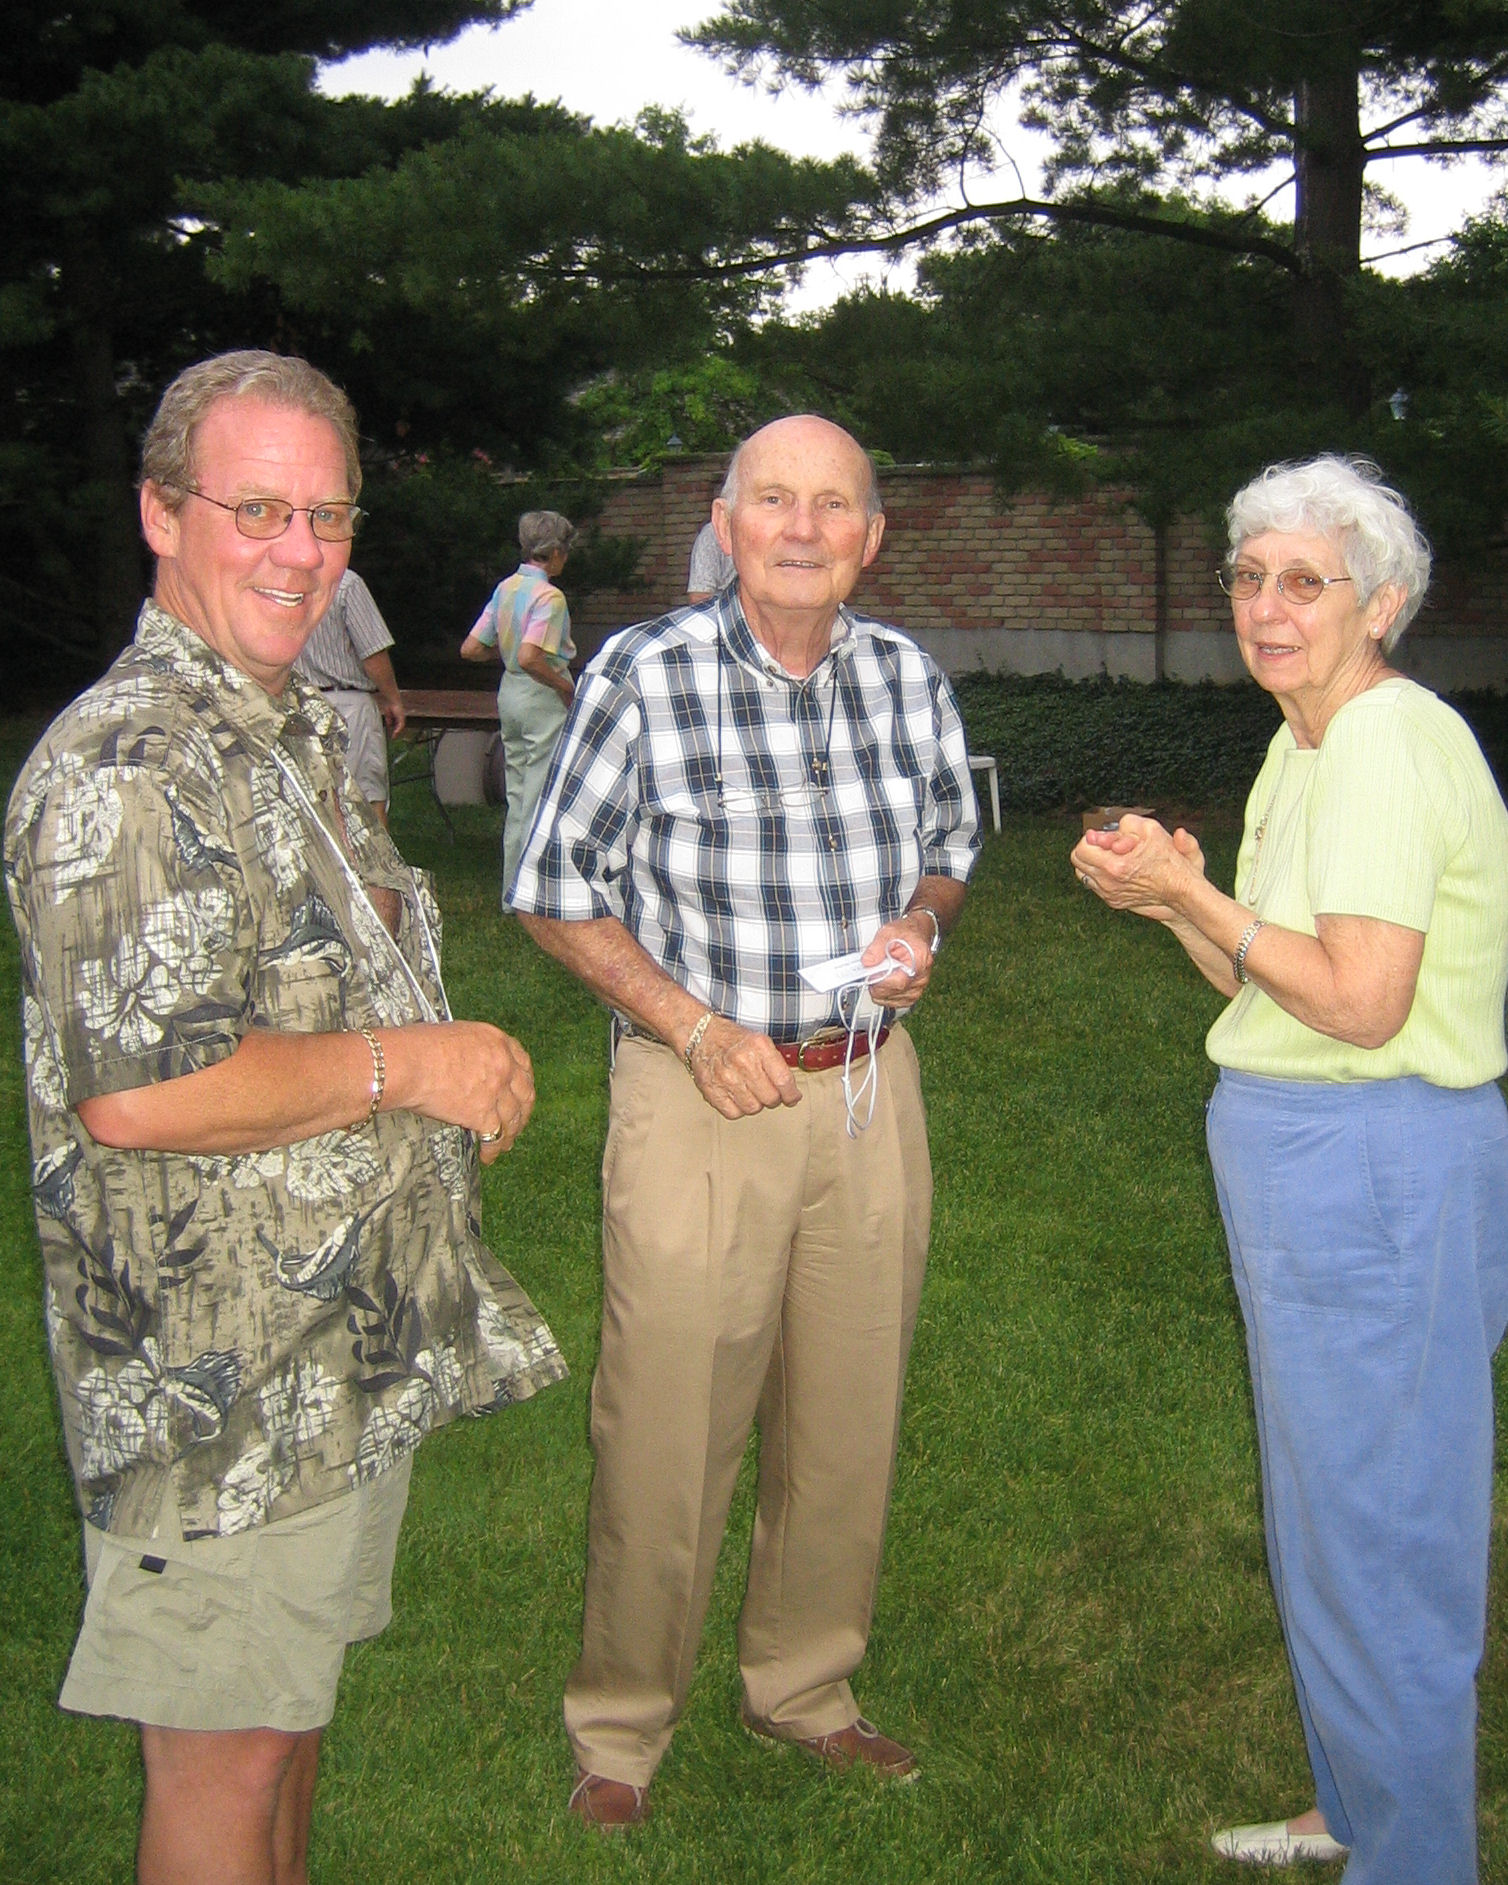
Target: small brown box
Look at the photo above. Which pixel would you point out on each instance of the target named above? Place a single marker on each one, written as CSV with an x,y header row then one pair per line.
x,y
1106,817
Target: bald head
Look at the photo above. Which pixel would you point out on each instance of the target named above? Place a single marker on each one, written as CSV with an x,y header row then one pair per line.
x,y
800,518
804,433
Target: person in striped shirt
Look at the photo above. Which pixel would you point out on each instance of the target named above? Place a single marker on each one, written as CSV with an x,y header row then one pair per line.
x,y
347,659
745,791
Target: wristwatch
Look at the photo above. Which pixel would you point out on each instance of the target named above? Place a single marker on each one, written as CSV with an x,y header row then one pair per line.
x,y
925,909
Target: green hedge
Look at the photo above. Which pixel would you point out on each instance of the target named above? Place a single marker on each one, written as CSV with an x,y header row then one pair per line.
x,y
1077,743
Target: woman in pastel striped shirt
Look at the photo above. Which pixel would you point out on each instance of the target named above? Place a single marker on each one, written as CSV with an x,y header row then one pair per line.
x,y
527,625
1360,1148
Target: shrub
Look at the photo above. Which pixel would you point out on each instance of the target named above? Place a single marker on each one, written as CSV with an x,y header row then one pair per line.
x,y
1076,743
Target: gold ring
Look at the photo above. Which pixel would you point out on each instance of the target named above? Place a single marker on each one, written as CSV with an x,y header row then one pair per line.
x,y
490,1138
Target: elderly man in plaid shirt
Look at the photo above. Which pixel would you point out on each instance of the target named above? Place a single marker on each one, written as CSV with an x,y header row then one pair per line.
x,y
746,790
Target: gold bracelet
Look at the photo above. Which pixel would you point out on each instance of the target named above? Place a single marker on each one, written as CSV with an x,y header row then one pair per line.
x,y
379,1078
694,1038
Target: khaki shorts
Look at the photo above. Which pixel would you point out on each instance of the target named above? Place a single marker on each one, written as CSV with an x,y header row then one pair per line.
x,y
242,1632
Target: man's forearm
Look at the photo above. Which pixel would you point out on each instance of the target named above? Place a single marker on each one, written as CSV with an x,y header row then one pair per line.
x,y
273,1090
943,896
600,952
379,671
277,1088
737,1071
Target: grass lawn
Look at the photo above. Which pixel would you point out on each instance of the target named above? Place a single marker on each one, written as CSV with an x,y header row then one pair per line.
x,y
1074,1627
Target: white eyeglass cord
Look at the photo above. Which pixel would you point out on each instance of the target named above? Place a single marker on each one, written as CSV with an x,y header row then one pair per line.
x,y
867,1017
358,888
864,1094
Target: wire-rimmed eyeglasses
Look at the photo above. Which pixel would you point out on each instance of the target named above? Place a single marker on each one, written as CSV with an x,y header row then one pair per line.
x,y
268,517
1245,584
784,798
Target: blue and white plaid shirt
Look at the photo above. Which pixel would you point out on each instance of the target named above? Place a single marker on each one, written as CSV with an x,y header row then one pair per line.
x,y
743,824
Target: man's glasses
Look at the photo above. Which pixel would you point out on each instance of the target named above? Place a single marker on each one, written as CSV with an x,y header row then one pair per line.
x,y
785,798
1244,584
268,517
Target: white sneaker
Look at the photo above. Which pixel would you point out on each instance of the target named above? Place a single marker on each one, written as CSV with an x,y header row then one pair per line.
x,y
1273,1844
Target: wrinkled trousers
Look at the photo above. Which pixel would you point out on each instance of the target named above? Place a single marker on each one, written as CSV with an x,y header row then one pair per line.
x,y
1368,1231
768,1266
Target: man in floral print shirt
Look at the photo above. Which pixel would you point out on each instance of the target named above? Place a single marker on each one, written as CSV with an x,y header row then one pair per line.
x,y
255,1134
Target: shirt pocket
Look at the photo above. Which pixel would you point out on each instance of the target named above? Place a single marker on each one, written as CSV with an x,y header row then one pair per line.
x,y
302,994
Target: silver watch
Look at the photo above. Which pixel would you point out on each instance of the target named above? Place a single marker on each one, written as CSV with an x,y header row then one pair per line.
x,y
925,909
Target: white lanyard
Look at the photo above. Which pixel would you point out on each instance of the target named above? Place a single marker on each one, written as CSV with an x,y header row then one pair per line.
x,y
867,1016
359,890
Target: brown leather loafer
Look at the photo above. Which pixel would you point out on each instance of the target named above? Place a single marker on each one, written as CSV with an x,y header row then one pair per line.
x,y
859,1744
611,1806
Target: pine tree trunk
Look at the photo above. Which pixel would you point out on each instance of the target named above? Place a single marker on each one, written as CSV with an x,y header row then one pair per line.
x,y
1329,165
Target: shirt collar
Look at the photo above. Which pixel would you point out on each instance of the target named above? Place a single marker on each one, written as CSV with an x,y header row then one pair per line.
x,y
745,648
257,715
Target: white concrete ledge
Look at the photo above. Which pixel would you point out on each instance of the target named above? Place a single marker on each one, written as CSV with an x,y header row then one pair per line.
x,y
1077,654
1449,662
1444,662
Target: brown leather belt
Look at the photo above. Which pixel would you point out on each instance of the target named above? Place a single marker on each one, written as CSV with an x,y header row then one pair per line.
x,y
826,1048
816,1054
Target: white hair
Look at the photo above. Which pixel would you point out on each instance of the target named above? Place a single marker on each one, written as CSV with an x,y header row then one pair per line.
x,y
542,533
1345,500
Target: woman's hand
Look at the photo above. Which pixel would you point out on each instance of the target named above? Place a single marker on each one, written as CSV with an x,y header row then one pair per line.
x,y
533,661
1139,866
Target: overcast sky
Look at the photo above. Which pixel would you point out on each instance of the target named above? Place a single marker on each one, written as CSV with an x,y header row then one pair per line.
x,y
610,58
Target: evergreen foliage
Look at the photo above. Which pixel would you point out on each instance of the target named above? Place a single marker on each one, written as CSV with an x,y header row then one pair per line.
x,y
106,111
1195,335
174,184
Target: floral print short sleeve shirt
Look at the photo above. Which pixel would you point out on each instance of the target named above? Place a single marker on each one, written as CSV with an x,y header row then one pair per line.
x,y
187,859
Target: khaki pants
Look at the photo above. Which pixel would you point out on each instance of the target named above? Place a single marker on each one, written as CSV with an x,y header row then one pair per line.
x,y
366,737
768,1265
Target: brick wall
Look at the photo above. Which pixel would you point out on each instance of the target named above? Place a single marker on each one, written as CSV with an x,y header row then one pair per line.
x,y
1034,585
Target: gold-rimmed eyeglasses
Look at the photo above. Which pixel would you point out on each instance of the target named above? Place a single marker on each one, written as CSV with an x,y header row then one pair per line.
x,y
1245,584
268,517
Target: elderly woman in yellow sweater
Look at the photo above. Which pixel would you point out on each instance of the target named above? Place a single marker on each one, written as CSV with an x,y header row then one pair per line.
x,y
1360,1149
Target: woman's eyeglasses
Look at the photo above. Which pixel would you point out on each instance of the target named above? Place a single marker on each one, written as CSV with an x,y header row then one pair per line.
x,y
1245,584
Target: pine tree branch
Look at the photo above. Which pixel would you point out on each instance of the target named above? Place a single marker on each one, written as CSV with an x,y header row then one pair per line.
x,y
1438,147
1103,216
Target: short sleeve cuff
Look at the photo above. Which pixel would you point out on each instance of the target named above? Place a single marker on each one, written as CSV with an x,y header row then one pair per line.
x,y
151,1065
